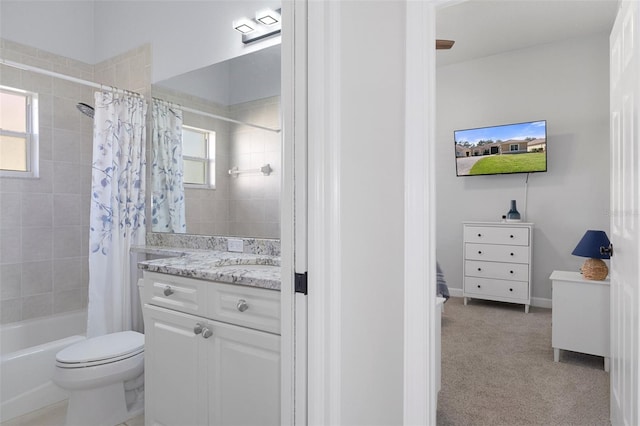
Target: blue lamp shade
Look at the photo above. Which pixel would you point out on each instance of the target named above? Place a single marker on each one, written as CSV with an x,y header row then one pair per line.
x,y
589,245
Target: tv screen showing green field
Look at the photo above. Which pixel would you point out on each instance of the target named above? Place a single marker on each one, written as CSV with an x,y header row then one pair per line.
x,y
504,149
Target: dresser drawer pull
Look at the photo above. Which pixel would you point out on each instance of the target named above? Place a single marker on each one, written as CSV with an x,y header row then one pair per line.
x,y
510,289
242,305
479,235
510,236
168,291
512,254
478,285
479,251
511,272
197,329
479,269
206,333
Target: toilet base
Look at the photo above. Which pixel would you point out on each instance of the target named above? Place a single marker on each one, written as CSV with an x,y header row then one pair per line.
x,y
111,410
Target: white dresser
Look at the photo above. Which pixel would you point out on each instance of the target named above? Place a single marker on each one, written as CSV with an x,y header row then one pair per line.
x,y
497,261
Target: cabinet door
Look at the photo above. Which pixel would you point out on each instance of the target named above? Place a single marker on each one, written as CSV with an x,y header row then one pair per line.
x,y
175,386
244,379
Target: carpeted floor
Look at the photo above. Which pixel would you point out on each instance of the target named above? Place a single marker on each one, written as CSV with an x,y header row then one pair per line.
x,y
498,369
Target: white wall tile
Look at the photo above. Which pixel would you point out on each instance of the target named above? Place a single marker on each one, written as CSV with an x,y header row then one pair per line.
x,y
37,278
40,305
10,210
11,311
37,244
37,210
66,242
66,209
11,279
10,245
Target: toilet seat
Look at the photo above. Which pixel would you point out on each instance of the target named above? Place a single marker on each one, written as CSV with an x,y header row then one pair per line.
x,y
101,350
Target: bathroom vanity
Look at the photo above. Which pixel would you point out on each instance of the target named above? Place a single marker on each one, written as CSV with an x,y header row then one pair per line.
x,y
212,330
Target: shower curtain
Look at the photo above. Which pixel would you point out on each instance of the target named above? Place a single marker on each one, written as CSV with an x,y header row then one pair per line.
x,y
117,211
167,196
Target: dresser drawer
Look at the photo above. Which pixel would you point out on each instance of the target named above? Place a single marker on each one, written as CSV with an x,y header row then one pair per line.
x,y
245,306
496,253
178,293
496,235
499,270
484,287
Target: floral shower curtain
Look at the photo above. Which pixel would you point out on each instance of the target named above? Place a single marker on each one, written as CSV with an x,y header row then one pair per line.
x,y
117,211
167,196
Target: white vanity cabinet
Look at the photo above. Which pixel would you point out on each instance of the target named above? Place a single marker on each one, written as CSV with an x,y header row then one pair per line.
x,y
212,353
497,261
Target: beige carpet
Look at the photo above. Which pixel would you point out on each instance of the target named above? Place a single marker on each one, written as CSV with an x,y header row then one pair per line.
x,y
498,369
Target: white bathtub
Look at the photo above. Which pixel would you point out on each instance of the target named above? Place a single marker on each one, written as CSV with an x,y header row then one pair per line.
x,y
28,354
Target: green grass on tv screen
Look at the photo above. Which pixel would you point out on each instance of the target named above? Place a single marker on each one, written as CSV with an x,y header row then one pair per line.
x,y
510,163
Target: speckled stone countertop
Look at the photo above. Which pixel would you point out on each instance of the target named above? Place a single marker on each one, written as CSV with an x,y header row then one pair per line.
x,y
255,270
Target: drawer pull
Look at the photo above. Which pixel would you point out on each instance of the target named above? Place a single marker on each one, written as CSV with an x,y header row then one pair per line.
x,y
511,272
197,329
479,269
168,291
478,285
242,305
510,289
206,333
510,236
511,254
479,235
479,251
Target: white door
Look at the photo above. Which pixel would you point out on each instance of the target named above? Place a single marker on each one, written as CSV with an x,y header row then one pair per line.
x,y
174,392
625,220
243,370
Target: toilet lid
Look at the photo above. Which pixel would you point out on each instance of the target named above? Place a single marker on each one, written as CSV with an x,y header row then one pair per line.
x,y
102,348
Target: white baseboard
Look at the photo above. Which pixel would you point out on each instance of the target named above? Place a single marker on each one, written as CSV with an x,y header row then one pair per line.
x,y
539,302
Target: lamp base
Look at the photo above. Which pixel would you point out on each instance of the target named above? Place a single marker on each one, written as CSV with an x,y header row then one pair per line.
x,y
594,269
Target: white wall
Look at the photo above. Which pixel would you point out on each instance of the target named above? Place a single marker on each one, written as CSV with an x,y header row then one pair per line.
x,y
371,187
566,83
61,27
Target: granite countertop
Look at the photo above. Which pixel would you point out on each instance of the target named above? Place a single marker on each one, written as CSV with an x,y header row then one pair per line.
x,y
255,270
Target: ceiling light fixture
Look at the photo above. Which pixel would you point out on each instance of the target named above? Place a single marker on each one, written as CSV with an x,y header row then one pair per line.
x,y
268,17
266,24
244,26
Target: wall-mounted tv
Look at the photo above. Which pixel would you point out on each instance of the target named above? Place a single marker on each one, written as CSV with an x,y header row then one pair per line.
x,y
503,149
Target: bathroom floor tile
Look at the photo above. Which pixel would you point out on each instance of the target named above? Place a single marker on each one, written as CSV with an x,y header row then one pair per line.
x,y
53,415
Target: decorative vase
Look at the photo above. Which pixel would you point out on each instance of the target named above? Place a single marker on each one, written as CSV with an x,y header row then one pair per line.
x,y
513,214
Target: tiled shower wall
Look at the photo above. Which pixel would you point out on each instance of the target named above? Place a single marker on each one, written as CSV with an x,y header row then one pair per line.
x,y
44,222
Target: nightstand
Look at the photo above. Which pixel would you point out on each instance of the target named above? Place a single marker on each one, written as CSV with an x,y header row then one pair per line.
x,y
580,315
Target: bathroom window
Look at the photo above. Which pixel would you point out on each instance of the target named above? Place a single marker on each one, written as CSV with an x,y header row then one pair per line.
x,y
18,133
198,154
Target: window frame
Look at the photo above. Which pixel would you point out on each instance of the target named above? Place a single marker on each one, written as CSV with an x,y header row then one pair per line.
x,y
30,135
209,160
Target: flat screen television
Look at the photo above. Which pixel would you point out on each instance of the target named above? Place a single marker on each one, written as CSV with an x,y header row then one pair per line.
x,y
503,149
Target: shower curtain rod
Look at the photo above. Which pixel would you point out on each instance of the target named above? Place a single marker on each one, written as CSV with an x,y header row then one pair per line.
x,y
26,67
218,117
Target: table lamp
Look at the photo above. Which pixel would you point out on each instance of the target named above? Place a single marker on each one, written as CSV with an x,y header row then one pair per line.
x,y
593,245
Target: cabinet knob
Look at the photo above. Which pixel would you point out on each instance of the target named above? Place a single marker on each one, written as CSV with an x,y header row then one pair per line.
x,y
206,333
510,236
511,254
168,291
242,305
479,235
478,285
479,251
197,329
511,272
510,289
479,269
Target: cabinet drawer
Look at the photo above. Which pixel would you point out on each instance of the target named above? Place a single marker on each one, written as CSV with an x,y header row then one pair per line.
x,y
181,294
499,270
496,253
496,235
496,288
245,306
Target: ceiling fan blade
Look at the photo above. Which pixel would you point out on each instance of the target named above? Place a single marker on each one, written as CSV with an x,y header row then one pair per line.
x,y
444,44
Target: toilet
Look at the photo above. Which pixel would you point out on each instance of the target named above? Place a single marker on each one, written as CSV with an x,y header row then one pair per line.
x,y
104,376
